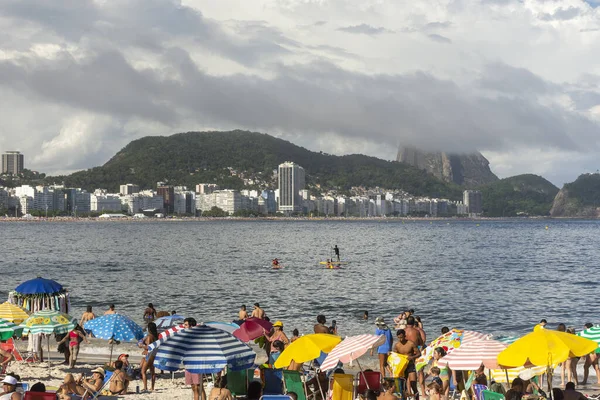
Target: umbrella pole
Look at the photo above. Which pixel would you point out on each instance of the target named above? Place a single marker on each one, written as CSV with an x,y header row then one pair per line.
x,y
112,343
319,383
363,374
507,381
49,366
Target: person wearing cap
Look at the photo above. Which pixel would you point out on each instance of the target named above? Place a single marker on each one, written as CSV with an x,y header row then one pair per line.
x,y
94,383
384,350
9,384
278,334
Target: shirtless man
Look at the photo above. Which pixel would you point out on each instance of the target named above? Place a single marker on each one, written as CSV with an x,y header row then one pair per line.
x,y
412,333
242,314
320,325
409,349
258,312
111,310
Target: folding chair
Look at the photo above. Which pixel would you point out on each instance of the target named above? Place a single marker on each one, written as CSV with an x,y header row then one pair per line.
x,y
477,390
39,396
107,377
368,380
489,395
343,387
273,381
237,382
292,382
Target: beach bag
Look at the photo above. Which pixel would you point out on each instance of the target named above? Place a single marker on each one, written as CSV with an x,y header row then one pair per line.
x,y
397,363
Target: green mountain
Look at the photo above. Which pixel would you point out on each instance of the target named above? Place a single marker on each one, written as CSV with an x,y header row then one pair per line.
x,y
204,157
580,198
518,195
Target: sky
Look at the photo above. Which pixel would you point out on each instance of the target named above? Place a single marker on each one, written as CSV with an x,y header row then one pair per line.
x,y
518,80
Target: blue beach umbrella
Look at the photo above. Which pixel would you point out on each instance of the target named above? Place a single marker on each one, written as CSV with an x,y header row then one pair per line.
x,y
224,326
39,285
203,350
115,327
169,321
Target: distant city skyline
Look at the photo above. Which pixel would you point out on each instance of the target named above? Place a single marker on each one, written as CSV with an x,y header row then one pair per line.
x,y
516,80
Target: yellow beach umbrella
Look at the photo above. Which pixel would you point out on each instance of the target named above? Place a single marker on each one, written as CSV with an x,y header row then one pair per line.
x,y
13,313
307,348
544,347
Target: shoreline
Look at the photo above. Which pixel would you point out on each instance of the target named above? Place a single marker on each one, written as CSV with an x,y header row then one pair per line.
x,y
290,219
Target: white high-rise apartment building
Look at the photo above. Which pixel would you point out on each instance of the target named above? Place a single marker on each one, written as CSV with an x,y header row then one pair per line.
x,y
129,188
291,182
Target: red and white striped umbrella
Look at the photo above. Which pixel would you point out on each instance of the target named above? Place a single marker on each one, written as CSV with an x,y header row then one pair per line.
x,y
350,349
472,354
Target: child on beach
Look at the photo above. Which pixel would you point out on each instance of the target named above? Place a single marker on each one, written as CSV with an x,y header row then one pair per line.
x,y
435,373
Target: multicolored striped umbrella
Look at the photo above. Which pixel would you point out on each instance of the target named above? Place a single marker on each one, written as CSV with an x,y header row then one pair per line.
x,y
592,333
448,341
499,375
203,350
13,313
470,356
48,322
8,329
115,326
350,349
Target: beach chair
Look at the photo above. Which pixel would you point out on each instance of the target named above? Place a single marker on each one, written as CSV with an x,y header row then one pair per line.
x,y
477,389
368,380
237,381
273,382
275,397
88,394
342,387
489,395
292,382
39,396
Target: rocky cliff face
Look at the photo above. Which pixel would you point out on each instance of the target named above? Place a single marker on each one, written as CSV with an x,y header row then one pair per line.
x,y
580,198
467,170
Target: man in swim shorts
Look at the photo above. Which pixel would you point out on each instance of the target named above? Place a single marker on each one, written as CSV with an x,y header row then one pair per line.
x,y
258,312
409,349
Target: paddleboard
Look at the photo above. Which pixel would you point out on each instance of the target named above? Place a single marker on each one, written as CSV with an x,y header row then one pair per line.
x,y
333,268
335,262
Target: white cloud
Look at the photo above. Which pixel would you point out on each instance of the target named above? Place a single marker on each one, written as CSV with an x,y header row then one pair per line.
x,y
517,80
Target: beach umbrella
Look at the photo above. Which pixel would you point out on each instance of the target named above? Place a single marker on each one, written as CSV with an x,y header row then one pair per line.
x,y
39,285
509,375
592,333
545,347
471,355
48,322
253,328
351,348
449,341
224,326
307,348
203,350
169,321
115,327
13,313
8,329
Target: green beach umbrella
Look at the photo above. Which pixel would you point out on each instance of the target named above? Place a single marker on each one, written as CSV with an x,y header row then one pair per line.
x,y
8,329
592,333
48,322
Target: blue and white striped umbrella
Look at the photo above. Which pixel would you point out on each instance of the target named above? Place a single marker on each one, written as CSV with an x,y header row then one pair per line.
x,y
114,326
203,350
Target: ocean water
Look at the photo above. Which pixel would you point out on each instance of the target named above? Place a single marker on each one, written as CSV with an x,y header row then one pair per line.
x,y
499,277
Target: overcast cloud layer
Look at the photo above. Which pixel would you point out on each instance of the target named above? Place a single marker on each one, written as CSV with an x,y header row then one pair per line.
x,y
517,80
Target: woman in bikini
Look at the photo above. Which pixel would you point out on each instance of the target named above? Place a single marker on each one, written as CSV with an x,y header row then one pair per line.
x,y
148,364
278,334
220,391
120,380
438,353
74,341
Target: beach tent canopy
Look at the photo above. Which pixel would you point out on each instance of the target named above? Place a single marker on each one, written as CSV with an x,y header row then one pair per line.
x,y
39,286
